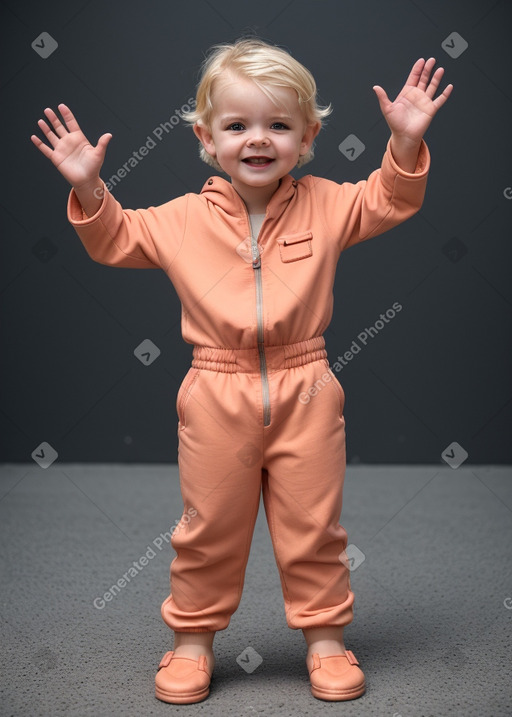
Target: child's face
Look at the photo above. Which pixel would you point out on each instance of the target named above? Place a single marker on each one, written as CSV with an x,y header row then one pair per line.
x,y
248,124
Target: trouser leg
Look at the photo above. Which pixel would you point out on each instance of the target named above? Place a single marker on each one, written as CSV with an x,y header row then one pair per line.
x,y
220,478
302,491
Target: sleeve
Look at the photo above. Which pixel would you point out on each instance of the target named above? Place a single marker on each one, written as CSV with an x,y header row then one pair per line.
x,y
134,239
355,212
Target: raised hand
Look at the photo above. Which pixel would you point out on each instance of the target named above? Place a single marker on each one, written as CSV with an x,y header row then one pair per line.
x,y
411,113
73,155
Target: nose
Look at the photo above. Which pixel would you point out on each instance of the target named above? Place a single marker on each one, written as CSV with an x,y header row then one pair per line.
x,y
258,138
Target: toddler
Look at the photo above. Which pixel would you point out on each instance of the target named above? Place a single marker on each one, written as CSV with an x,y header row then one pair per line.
x,y
253,259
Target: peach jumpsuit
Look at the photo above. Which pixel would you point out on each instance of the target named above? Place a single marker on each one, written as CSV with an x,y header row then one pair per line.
x,y
255,309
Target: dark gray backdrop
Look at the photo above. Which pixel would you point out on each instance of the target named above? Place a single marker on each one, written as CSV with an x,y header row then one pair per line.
x,y
438,373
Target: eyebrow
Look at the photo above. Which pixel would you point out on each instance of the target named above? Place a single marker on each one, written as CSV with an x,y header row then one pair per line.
x,y
228,118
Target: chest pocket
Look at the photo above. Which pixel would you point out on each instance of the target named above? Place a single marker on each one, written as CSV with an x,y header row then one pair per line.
x,y
293,247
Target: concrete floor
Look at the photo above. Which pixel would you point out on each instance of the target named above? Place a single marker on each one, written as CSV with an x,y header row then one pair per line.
x,y
433,610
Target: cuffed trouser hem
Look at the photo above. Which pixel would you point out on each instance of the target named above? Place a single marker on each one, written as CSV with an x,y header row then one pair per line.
x,y
338,616
190,622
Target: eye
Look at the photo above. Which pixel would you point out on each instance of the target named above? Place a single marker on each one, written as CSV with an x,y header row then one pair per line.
x,y
236,126
280,125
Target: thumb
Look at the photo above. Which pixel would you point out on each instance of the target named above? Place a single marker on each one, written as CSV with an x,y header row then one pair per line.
x,y
103,142
384,101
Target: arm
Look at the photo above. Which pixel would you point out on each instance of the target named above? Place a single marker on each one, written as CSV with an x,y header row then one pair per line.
x,y
130,238
356,212
395,191
110,234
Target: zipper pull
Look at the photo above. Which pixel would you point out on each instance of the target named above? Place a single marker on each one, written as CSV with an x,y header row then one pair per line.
x,y
256,261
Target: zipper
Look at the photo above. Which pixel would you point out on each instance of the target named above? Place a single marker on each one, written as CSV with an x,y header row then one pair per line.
x,y
256,265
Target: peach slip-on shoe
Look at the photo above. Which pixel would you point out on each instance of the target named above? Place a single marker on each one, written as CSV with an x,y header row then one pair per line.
x,y
182,680
336,677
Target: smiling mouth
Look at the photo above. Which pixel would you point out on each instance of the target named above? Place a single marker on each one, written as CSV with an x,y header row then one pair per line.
x,y
259,161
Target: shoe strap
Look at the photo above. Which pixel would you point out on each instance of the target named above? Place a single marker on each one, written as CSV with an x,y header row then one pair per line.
x,y
316,659
202,663
164,662
351,657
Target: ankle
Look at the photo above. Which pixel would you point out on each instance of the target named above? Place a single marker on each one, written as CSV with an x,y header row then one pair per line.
x,y
326,648
202,640
325,640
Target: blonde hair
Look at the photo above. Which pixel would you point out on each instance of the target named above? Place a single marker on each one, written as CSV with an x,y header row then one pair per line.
x,y
266,65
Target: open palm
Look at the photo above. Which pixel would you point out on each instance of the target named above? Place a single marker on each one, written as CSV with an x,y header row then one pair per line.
x,y
414,108
73,155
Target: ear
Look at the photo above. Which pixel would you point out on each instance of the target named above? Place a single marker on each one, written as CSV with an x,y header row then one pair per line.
x,y
309,136
205,137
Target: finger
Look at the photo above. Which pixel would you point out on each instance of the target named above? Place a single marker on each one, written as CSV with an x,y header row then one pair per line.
x,y
439,101
48,133
425,74
58,127
415,73
41,146
69,118
434,82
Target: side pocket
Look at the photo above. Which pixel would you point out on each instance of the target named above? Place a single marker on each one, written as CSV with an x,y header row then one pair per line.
x,y
184,394
339,391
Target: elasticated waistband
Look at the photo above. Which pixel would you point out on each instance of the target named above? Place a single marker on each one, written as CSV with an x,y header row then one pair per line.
x,y
248,360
